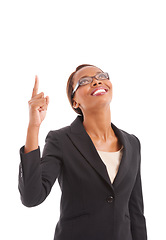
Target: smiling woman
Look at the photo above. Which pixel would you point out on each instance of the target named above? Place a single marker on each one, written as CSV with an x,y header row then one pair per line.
x,y
74,84
96,163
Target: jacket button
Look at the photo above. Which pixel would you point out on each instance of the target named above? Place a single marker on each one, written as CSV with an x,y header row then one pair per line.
x,y
110,199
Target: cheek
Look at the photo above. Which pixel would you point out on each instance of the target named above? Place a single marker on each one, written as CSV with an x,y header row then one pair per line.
x,y
110,85
82,93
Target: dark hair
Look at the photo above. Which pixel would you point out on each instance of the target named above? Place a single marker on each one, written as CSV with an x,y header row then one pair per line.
x,y
69,87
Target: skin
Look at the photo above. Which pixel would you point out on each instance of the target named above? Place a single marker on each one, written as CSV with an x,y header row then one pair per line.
x,y
37,111
96,111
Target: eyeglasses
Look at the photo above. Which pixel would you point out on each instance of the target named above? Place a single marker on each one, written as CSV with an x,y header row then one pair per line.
x,y
86,80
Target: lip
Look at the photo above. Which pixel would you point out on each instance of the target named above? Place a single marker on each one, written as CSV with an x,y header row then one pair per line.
x,y
94,90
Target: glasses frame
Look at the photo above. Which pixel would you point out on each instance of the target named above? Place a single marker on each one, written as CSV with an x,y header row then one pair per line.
x,y
78,83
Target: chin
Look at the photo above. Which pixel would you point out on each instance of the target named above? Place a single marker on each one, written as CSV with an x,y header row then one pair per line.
x,y
100,105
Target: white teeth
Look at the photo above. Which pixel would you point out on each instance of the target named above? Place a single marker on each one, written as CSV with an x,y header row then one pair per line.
x,y
99,91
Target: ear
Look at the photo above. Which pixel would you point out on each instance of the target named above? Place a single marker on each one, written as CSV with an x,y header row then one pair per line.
x,y
75,104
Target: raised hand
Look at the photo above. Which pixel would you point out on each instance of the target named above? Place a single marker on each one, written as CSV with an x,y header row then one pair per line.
x,y
37,106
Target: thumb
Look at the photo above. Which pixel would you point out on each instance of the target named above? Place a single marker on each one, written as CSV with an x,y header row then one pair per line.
x,y
47,100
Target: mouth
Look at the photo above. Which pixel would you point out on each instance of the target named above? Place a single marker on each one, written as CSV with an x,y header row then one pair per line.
x,y
99,91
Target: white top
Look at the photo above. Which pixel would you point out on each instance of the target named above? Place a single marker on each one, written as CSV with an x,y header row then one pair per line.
x,y
112,161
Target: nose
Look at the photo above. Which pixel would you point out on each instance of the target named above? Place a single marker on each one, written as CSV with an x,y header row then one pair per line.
x,y
96,82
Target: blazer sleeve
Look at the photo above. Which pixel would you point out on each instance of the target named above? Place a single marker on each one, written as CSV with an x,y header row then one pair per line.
x,y
38,174
136,208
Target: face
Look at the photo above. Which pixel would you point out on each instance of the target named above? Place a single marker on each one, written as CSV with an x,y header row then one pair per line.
x,y
94,95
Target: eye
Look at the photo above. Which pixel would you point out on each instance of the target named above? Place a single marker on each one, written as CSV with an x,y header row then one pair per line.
x,y
84,81
102,75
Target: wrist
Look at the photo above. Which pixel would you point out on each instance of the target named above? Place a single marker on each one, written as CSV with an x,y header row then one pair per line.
x,y
33,127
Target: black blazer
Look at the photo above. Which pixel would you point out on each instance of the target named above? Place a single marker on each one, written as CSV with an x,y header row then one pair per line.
x,y
91,208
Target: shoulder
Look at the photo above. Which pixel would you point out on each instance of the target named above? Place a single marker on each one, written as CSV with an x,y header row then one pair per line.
x,y
133,139
131,136
127,137
54,134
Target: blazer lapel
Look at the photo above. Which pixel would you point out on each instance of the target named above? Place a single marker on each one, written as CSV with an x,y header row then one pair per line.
x,y
126,157
84,144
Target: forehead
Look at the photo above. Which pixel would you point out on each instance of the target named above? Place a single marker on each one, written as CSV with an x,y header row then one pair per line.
x,y
86,71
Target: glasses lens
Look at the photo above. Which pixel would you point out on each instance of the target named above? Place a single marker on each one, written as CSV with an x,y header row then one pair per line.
x,y
85,81
102,76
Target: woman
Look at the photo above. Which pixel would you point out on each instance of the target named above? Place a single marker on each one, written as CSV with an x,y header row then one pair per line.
x,y
97,165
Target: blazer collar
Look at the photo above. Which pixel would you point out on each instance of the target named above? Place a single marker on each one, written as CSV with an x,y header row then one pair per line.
x,y
84,144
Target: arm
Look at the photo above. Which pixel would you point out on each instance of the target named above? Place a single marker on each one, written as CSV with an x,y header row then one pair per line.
x,y
37,175
136,208
31,180
37,112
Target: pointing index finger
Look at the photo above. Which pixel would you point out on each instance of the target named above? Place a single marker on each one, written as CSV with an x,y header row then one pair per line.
x,y
36,87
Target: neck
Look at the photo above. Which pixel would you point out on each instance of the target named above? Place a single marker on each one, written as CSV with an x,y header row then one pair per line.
x,y
98,124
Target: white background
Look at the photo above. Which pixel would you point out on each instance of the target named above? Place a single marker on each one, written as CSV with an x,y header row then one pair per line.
x,y
51,38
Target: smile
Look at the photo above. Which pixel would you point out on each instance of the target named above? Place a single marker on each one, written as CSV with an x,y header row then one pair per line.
x,y
99,91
